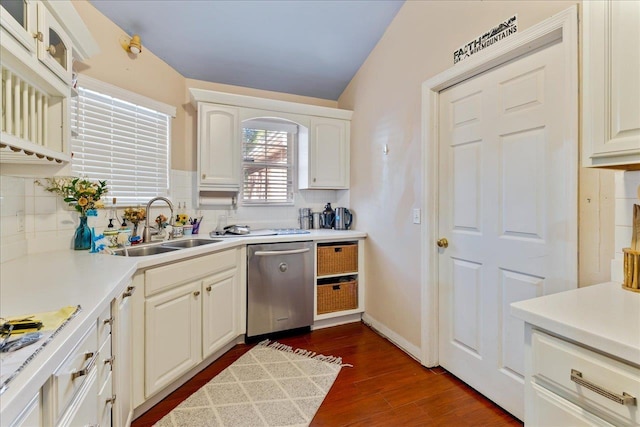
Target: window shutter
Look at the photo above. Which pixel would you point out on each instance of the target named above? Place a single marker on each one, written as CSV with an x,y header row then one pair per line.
x,y
123,143
267,154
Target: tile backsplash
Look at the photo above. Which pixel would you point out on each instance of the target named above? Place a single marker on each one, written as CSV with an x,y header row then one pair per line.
x,y
33,220
626,188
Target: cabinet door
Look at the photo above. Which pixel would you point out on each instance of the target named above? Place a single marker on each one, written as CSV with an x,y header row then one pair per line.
x,y
19,19
218,147
328,153
611,98
172,335
219,310
122,366
54,50
30,416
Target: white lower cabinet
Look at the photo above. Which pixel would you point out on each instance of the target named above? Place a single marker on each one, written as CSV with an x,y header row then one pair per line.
x,y
568,384
219,319
191,309
172,335
30,415
122,364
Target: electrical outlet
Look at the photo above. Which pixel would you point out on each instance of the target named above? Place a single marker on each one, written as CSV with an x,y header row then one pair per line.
x,y
20,221
416,216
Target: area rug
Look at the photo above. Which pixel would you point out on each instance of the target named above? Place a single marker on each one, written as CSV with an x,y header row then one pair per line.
x,y
270,385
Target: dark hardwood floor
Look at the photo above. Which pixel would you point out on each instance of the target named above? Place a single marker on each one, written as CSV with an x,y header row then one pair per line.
x,y
385,387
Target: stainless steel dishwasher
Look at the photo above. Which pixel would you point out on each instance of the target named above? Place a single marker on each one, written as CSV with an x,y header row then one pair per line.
x,y
279,287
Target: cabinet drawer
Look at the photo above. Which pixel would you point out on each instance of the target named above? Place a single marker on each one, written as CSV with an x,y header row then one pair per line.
x,y
581,375
106,400
74,371
337,259
169,276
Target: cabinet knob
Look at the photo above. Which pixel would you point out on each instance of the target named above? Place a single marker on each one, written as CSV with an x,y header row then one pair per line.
x,y
314,180
196,293
130,290
52,50
39,36
108,321
111,400
204,176
443,243
208,288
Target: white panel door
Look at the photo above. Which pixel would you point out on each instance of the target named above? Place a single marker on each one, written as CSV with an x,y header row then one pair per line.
x,y
219,310
504,206
172,335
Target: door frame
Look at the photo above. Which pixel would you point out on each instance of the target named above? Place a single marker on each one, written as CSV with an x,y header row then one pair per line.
x,y
562,26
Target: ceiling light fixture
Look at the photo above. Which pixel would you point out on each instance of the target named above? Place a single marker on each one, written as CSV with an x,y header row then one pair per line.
x,y
133,45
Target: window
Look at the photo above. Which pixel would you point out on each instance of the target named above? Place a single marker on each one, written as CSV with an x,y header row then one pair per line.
x,y
267,161
123,138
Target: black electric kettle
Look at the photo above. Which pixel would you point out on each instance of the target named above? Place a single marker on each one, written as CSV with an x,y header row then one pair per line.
x,y
328,216
343,219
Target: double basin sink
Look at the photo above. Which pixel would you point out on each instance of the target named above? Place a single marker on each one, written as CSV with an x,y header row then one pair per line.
x,y
169,246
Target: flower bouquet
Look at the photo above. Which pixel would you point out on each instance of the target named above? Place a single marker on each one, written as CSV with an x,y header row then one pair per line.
x,y
134,216
84,196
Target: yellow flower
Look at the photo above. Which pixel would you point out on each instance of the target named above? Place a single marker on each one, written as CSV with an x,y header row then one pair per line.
x,y
82,201
99,205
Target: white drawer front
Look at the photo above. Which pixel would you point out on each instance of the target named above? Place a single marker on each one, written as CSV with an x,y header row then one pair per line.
x,y
169,276
553,363
552,410
74,371
104,362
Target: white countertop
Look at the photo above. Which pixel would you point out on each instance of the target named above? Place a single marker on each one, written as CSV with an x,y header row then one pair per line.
x,y
604,317
52,280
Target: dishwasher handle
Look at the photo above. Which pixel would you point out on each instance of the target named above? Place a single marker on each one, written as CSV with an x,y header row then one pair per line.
x,y
289,252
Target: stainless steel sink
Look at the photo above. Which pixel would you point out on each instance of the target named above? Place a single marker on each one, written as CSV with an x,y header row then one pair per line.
x,y
145,250
189,243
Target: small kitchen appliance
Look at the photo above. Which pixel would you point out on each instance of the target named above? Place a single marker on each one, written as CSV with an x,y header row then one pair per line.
x,y
316,220
343,219
305,218
328,216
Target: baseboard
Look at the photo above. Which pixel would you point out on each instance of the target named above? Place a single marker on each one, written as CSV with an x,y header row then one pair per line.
x,y
336,321
400,342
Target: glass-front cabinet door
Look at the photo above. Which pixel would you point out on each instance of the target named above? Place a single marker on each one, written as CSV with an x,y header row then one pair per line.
x,y
18,17
54,50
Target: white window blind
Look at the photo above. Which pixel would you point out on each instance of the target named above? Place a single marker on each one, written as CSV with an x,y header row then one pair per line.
x,y
123,143
268,165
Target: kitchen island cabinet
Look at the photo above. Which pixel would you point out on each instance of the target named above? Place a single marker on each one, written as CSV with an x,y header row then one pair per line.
x,y
582,357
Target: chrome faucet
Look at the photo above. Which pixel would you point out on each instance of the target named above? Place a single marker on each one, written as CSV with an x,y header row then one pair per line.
x,y
146,234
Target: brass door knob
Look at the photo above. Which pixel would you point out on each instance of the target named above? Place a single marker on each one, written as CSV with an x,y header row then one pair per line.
x,y
443,243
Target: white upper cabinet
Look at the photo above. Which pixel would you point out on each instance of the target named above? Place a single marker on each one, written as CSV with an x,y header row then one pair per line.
x,y
611,84
218,148
323,139
20,20
323,160
54,49
38,42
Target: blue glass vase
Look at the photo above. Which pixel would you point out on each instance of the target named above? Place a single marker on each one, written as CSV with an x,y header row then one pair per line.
x,y
82,237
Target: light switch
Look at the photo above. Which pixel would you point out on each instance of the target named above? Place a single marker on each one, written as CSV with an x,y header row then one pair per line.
x,y
416,216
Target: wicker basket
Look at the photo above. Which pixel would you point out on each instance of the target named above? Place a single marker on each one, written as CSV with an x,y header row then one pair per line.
x,y
337,296
337,259
631,270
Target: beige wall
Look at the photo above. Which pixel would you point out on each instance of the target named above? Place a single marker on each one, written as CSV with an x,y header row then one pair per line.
x,y
385,95
150,76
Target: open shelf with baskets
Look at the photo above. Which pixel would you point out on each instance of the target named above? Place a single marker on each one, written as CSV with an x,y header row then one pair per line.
x,y
339,287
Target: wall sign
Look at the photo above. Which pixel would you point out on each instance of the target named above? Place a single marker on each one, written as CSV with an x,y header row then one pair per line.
x,y
497,33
